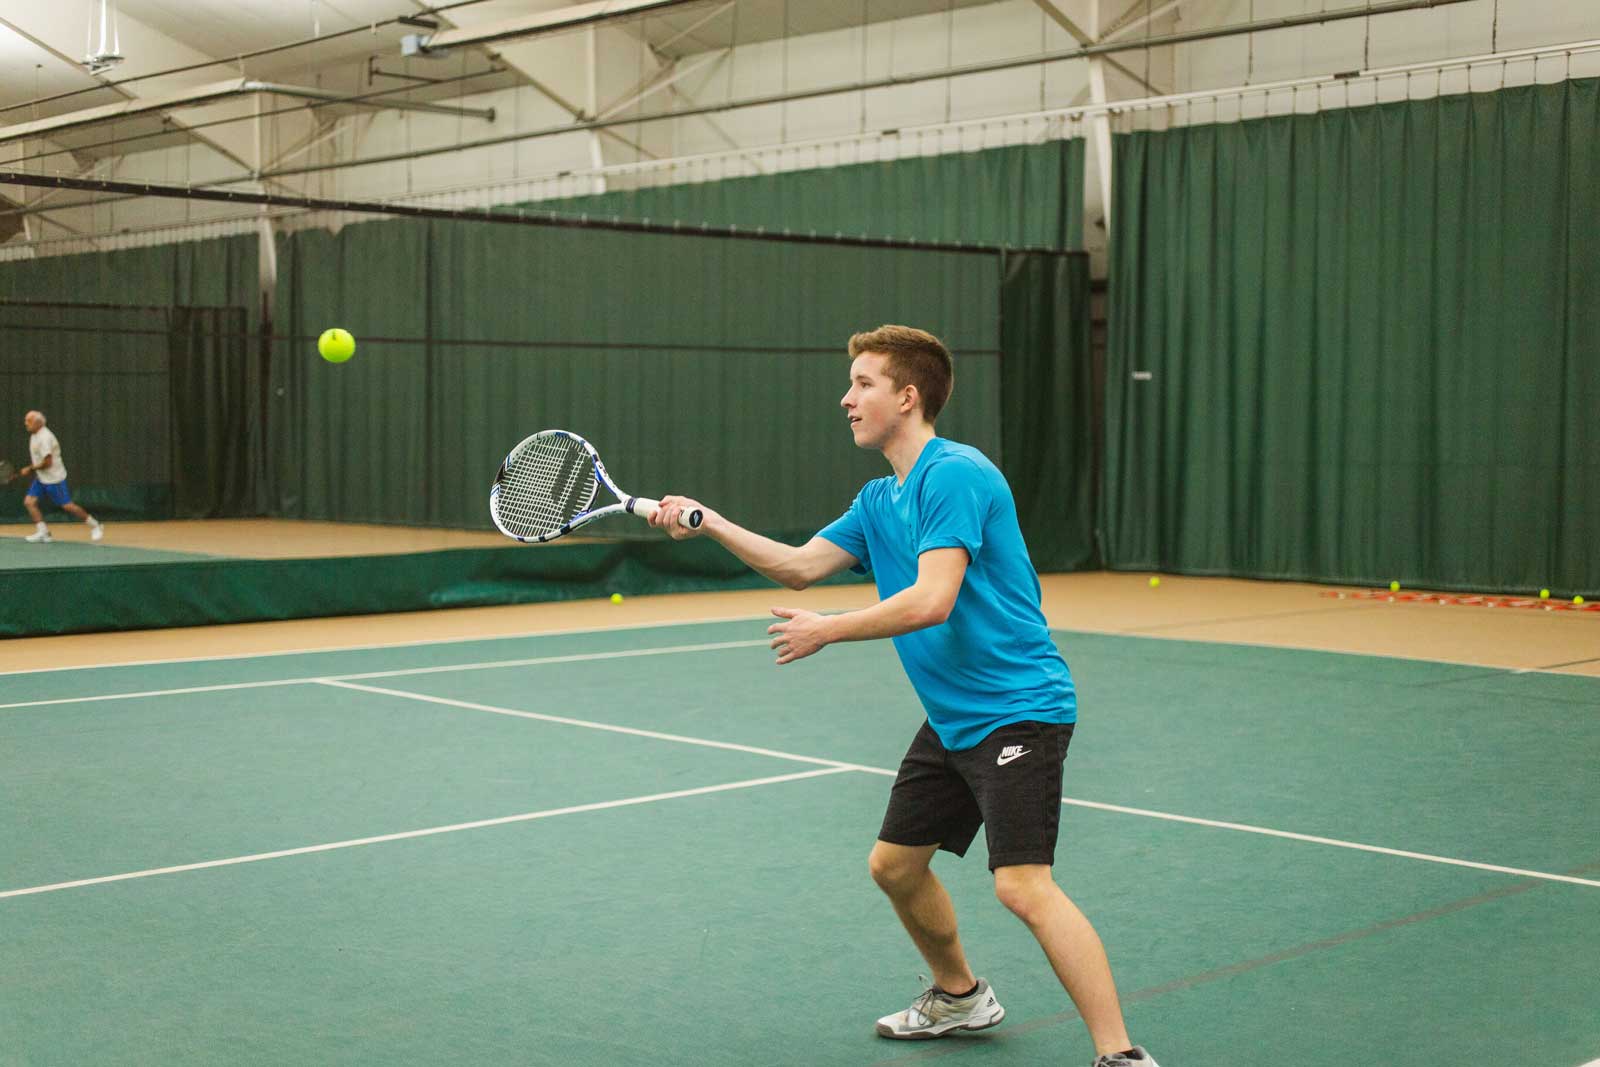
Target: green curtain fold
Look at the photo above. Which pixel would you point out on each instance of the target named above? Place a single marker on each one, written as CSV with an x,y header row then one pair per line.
x,y
1361,345
1048,405
213,435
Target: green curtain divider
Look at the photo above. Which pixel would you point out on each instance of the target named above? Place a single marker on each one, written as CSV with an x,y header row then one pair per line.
x,y
1021,195
221,271
152,595
1047,397
1361,345
102,374
695,364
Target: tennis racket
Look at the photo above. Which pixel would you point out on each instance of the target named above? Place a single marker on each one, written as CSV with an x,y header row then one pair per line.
x,y
8,473
547,485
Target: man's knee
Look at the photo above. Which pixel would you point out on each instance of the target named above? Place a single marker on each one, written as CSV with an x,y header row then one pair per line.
x,y
897,868
1026,890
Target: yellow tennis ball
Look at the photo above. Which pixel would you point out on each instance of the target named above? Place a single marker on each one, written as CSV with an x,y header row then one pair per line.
x,y
1154,582
616,598
1577,600
1544,594
1394,587
336,345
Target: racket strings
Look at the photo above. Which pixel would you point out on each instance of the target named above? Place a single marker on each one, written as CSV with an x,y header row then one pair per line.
x,y
545,485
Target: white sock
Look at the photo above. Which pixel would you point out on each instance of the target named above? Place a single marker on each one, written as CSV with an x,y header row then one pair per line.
x,y
41,527
93,522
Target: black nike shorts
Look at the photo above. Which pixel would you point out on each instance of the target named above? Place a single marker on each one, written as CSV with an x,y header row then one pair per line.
x,y
1010,784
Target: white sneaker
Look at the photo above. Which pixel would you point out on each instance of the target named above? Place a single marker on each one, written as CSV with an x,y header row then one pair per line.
x,y
41,538
1138,1058
936,1013
97,531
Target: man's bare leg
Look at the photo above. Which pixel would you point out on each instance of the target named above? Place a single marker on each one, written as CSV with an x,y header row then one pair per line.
x,y
1072,947
919,898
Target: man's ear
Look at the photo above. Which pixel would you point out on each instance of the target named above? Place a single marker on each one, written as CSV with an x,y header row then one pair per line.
x,y
909,399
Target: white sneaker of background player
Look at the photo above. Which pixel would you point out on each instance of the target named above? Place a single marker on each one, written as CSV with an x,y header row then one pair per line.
x,y
97,531
936,1013
42,537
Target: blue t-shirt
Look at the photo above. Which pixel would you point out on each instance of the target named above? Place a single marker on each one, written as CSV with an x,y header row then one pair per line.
x,y
992,661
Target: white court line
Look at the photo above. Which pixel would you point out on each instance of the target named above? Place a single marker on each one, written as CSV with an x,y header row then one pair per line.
x,y
608,727
1213,823
1500,668
752,619
579,657
408,834
1335,842
839,765
397,644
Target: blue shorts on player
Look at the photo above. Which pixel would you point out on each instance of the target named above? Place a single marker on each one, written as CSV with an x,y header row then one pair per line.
x,y
56,492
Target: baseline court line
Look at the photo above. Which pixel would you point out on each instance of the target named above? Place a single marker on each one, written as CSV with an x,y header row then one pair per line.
x,y
396,644
577,657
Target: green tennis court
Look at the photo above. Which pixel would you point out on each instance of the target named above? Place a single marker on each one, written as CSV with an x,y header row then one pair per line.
x,y
401,855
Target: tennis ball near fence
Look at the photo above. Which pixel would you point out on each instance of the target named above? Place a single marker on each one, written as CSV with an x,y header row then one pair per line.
x,y
1394,587
1154,582
1544,594
336,345
616,598
1577,600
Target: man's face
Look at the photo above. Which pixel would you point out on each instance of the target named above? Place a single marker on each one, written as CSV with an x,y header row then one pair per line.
x,y
32,421
873,403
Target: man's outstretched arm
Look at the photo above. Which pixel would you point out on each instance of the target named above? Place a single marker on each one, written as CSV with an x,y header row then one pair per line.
x,y
784,564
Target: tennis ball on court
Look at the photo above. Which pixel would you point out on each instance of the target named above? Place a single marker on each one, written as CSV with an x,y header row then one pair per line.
x,y
1577,600
336,345
616,598
1154,582
1394,587
1544,594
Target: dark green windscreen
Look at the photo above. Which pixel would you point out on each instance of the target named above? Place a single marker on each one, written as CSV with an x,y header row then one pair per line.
x,y
1361,345
91,341
700,365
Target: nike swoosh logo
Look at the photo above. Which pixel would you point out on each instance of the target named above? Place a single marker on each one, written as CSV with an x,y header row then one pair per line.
x,y
1001,761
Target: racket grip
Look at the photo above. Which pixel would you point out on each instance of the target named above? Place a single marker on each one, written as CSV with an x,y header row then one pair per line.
x,y
644,507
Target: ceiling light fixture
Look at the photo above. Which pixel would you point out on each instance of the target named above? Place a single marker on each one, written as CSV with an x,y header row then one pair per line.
x,y
101,57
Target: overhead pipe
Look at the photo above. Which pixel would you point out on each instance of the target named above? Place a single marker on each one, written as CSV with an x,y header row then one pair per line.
x,y
890,81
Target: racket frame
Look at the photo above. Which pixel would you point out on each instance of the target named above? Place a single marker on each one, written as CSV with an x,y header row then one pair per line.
x,y
642,506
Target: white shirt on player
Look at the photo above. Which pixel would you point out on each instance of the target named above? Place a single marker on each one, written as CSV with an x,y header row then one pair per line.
x,y
43,443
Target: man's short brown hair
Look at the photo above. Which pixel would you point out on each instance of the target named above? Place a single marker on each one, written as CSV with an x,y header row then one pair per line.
x,y
915,357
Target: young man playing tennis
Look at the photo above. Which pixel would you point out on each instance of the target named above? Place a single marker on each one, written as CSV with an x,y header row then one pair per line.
x,y
49,481
960,598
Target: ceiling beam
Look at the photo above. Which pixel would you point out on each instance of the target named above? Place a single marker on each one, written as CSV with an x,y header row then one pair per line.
x,y
565,18
1083,37
1134,18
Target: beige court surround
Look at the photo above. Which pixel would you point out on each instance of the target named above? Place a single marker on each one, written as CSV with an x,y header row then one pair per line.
x,y
1287,614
